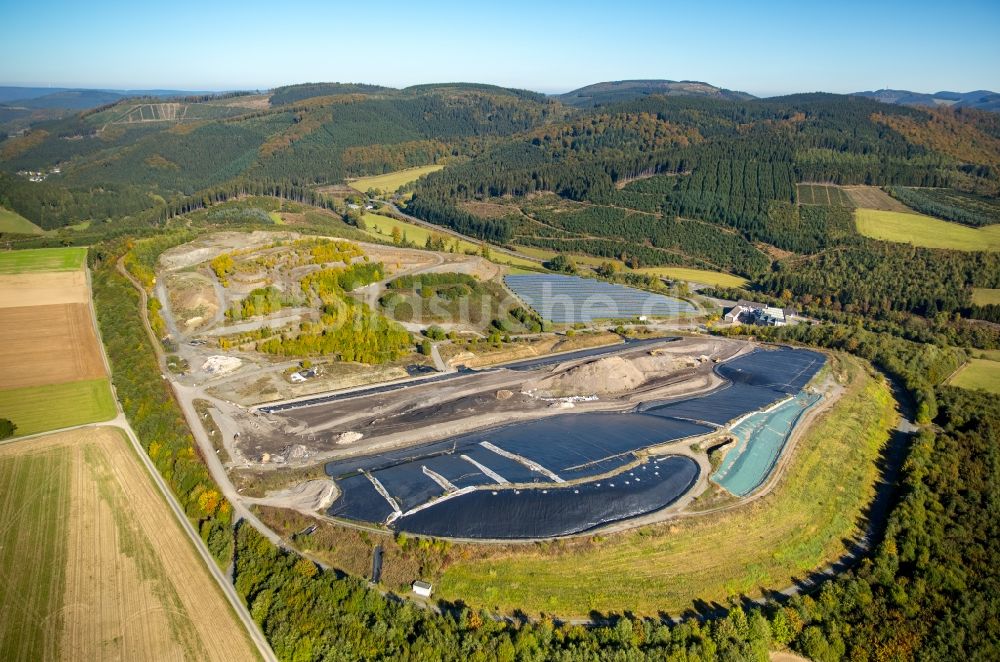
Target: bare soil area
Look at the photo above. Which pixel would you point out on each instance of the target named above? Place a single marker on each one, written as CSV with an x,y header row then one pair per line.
x,y
42,288
192,299
272,385
48,344
424,412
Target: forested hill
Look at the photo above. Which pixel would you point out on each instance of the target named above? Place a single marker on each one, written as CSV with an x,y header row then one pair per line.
x,y
712,183
979,99
656,179
141,153
601,94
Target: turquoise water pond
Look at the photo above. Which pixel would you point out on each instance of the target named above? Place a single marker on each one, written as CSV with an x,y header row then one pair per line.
x,y
760,438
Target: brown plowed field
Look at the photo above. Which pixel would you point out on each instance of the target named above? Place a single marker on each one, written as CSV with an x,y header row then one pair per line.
x,y
35,288
49,344
121,580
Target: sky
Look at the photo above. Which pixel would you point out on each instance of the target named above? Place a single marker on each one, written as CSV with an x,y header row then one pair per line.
x,y
765,48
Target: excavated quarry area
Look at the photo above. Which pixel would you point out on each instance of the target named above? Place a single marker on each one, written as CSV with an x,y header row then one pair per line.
x,y
618,379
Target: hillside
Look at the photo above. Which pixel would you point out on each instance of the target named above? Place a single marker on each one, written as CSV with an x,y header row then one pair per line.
x,y
704,182
979,99
21,107
600,94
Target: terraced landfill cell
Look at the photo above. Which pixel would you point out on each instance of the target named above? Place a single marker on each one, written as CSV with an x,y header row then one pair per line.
x,y
570,299
446,488
760,439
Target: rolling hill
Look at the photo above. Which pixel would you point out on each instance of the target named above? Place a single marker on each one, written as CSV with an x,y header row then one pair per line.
x,y
979,99
600,94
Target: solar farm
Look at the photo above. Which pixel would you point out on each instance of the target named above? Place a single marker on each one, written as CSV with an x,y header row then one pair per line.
x,y
571,299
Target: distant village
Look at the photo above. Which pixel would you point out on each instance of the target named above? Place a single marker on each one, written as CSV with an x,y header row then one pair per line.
x,y
38,175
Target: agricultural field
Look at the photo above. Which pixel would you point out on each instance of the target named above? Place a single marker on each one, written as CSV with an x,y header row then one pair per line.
x,y
52,406
95,565
391,181
799,527
52,372
924,231
981,373
42,259
872,197
48,345
12,222
702,276
822,194
984,296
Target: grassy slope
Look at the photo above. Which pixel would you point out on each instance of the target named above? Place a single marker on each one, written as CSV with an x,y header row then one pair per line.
x,y
34,502
979,374
381,227
982,296
41,408
11,221
42,259
797,528
715,278
926,231
391,181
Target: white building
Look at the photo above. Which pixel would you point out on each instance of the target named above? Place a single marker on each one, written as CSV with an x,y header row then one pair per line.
x,y
750,312
422,589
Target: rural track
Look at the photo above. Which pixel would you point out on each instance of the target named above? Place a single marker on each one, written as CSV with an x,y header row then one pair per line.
x,y
256,635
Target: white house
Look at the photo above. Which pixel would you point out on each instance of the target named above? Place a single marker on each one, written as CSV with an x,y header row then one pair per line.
x,y
422,588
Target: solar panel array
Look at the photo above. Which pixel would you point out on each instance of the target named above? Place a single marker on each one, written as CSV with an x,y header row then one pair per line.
x,y
571,299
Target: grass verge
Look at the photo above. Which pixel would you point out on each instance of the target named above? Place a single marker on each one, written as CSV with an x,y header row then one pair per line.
x,y
42,259
41,408
799,527
925,231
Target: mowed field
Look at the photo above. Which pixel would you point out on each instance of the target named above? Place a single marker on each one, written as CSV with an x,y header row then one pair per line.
x,y
800,527
715,278
984,296
823,194
42,259
391,181
94,565
919,230
981,373
11,221
52,372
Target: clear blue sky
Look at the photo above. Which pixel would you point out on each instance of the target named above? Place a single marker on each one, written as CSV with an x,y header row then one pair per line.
x,y
764,48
